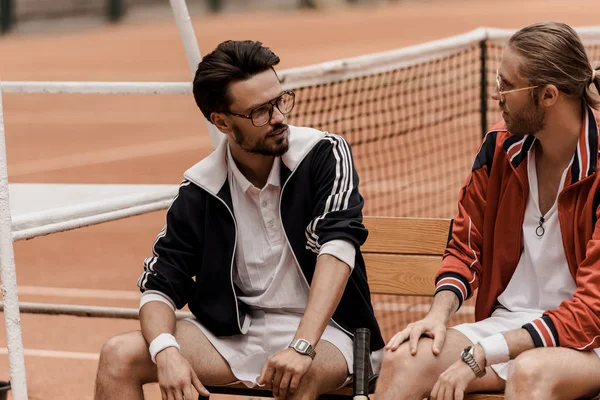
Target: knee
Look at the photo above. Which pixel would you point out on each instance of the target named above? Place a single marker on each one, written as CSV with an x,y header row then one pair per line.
x,y
526,377
121,355
400,362
400,372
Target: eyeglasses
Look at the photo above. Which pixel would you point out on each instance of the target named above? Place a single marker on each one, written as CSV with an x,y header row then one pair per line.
x,y
503,92
261,115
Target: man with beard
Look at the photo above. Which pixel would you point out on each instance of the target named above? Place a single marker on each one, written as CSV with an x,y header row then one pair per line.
x,y
262,243
527,237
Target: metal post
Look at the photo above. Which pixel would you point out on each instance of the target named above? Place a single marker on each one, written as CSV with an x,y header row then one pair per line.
x,y
483,87
115,10
6,15
192,52
14,339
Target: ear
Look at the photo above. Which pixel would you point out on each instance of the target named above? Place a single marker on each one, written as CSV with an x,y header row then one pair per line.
x,y
221,122
549,95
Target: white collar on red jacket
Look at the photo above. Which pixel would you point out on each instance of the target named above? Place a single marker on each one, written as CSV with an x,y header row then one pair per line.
x,y
211,172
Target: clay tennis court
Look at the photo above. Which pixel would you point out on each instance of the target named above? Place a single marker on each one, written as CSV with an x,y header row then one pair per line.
x,y
153,139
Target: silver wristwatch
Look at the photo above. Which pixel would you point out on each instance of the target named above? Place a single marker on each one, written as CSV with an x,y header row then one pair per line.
x,y
468,356
303,347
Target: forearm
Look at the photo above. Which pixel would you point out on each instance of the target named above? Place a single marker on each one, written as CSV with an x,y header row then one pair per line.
x,y
517,341
328,284
444,305
156,318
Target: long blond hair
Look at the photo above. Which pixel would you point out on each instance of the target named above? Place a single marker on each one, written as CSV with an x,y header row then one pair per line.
x,y
554,54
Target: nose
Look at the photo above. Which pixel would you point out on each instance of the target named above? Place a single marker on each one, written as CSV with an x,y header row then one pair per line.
x,y
277,117
495,95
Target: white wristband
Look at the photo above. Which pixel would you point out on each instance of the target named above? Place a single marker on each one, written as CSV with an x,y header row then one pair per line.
x,y
160,343
495,348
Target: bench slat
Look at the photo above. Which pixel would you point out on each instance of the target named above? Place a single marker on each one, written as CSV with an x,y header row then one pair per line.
x,y
402,275
406,235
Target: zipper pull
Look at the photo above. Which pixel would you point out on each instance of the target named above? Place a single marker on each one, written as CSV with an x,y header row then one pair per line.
x,y
540,229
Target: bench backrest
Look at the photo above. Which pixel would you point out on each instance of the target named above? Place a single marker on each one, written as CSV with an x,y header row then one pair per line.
x,y
403,254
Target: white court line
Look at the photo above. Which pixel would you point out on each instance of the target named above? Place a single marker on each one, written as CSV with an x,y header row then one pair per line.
x,y
122,153
79,293
73,355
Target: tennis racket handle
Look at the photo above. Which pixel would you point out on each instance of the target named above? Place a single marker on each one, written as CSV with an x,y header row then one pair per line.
x,y
362,361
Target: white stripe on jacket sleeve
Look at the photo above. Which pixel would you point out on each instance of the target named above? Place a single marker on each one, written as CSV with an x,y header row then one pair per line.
x,y
341,189
151,261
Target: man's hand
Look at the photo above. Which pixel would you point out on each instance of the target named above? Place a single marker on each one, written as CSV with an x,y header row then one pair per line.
x,y
284,370
453,382
176,377
429,326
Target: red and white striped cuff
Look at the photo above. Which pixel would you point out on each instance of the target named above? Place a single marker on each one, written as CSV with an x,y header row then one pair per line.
x,y
543,332
455,283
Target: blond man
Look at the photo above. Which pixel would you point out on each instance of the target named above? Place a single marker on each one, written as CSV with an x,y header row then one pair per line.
x,y
527,237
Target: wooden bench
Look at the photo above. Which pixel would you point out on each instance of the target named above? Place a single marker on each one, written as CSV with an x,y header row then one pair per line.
x,y
402,256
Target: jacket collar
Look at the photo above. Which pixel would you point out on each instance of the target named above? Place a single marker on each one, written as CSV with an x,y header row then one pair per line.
x,y
585,159
211,172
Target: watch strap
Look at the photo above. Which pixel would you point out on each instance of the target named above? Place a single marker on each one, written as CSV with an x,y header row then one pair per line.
x,y
469,359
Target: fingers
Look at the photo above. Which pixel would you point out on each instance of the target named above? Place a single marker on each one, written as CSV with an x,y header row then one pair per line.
x,y
449,393
434,392
188,392
459,394
177,394
284,385
199,386
440,394
415,335
439,337
266,375
168,393
276,381
294,384
398,339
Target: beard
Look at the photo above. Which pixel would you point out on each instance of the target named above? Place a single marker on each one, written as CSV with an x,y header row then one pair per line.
x,y
529,120
267,145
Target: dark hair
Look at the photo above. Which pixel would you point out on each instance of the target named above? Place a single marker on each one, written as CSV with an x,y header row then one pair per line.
x,y
554,55
231,61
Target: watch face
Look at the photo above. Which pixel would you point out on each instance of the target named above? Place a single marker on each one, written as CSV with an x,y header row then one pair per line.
x,y
301,345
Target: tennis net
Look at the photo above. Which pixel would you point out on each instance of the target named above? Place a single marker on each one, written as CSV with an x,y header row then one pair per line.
x,y
415,118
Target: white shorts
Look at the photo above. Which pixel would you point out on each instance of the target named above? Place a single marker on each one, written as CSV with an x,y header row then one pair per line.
x,y
269,333
500,321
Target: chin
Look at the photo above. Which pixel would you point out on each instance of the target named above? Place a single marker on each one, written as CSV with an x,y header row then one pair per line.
x,y
280,150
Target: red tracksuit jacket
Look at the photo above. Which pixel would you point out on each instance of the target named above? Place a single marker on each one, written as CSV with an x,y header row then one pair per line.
x,y
486,242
